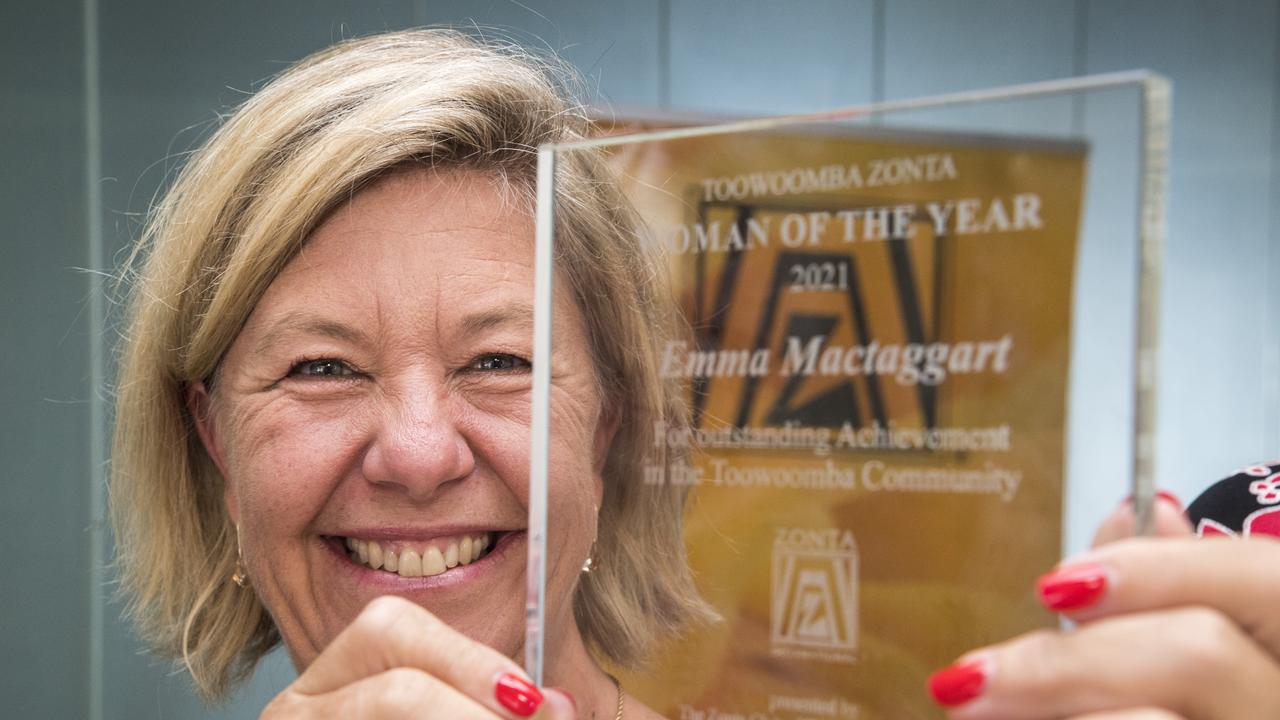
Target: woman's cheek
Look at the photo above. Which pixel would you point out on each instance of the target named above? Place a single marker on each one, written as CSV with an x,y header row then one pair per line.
x,y
573,485
291,454
502,438
496,425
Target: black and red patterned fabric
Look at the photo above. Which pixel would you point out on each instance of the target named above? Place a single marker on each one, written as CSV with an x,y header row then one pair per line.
x,y
1243,505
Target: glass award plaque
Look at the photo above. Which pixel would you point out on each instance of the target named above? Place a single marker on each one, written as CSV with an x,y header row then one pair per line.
x,y
913,344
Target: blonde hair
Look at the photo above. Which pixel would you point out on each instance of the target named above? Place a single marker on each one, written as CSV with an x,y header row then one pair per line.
x,y
240,210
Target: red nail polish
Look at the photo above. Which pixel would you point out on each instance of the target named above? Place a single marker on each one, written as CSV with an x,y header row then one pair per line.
x,y
1072,588
1161,494
1170,498
517,695
959,683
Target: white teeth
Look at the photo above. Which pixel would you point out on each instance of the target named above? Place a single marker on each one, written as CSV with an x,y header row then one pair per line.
x,y
432,561
410,564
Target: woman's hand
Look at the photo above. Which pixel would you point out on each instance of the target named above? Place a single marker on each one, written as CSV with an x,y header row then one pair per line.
x,y
1169,628
396,660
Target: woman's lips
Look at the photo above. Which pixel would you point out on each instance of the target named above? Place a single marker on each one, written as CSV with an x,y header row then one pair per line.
x,y
418,559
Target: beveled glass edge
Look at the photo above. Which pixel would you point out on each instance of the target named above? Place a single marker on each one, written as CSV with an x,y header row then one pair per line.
x,y
1157,100
539,435
850,112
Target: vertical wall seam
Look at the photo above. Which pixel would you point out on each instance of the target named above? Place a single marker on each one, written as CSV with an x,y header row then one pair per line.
x,y
1079,63
664,54
878,34
95,262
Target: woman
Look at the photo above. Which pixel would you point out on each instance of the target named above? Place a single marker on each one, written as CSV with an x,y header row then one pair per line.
x,y
322,430
324,395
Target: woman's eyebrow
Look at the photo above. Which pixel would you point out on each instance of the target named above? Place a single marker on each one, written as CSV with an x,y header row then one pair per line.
x,y
300,323
519,316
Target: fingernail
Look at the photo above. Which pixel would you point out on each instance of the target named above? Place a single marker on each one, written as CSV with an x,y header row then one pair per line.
x,y
1072,588
1162,495
1170,498
517,695
958,683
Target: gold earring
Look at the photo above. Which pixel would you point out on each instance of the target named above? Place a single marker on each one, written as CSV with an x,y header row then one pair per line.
x,y
239,577
589,564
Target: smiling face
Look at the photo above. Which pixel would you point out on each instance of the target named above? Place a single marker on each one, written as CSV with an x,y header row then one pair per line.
x,y
378,398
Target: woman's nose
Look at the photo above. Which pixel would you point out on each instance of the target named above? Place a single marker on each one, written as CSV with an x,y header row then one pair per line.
x,y
418,446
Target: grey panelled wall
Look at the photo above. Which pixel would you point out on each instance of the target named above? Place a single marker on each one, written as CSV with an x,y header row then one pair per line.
x,y
166,68
1271,318
1214,413
764,57
44,352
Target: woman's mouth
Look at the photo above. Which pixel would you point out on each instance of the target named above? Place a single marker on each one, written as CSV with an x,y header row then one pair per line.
x,y
419,559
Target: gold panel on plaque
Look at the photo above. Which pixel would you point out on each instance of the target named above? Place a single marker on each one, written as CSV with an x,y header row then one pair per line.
x,y
877,366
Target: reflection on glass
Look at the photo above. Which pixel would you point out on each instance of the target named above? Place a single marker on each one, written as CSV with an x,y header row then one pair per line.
x,y
873,373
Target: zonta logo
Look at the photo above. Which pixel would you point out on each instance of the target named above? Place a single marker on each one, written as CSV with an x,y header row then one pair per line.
x,y
815,594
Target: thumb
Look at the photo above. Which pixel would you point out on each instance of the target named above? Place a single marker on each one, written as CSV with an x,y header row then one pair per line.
x,y
1169,521
557,704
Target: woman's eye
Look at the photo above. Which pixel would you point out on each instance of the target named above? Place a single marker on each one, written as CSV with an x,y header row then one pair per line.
x,y
325,367
499,361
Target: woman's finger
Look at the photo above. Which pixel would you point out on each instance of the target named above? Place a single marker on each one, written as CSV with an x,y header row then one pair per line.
x,y
1237,577
399,694
1121,523
1133,714
392,632
1192,662
402,694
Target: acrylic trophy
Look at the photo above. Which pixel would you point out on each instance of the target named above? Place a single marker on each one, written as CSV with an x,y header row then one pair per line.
x,y
913,340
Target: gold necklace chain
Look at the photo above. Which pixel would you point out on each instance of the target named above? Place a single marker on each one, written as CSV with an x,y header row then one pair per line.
x,y
621,697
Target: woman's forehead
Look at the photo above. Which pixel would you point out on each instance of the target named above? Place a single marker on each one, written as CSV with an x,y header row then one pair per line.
x,y
442,244
444,251
447,212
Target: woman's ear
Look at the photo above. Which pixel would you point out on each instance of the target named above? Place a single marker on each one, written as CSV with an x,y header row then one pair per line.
x,y
606,429
200,405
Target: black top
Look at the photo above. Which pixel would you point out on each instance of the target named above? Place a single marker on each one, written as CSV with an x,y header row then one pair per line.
x,y
1245,504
